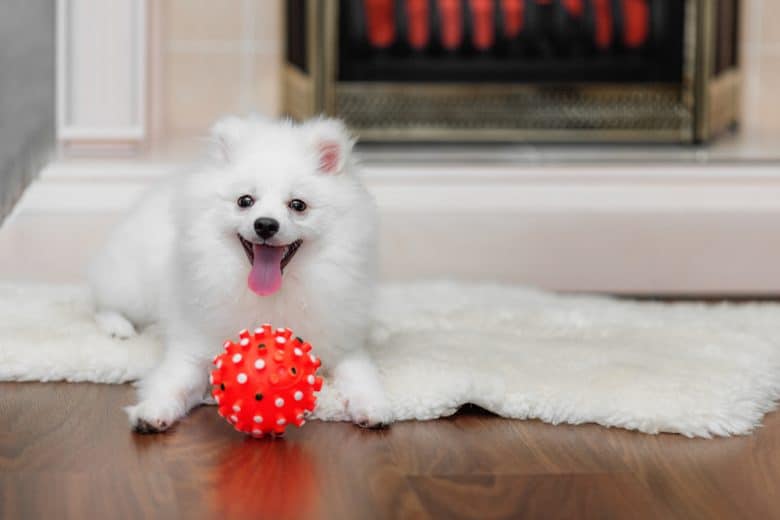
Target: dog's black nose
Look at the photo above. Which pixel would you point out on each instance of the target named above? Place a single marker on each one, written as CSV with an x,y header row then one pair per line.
x,y
266,227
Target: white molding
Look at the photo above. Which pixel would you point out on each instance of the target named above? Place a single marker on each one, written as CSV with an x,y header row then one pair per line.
x,y
104,172
94,67
80,197
75,133
631,174
488,190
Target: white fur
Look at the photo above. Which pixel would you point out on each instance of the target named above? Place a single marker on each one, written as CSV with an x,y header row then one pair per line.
x,y
698,370
177,260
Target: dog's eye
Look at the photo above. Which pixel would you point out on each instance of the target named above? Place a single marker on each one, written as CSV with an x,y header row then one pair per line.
x,y
245,201
297,205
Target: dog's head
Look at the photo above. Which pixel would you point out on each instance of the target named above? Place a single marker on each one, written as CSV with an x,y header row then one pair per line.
x,y
279,190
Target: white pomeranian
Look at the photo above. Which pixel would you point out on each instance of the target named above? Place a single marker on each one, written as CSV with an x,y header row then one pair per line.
x,y
276,228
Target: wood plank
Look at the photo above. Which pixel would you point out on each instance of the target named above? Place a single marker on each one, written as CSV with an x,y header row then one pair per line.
x,y
66,451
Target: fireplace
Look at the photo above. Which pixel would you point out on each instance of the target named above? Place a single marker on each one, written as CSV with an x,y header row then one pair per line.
x,y
519,70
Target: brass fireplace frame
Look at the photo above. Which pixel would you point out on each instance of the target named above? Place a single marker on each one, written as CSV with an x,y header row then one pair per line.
x,y
695,110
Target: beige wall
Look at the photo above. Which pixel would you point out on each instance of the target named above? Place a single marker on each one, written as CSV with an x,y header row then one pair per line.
x,y
761,60
218,57
215,57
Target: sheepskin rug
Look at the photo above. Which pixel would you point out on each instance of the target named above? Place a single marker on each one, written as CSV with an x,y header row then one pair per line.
x,y
694,369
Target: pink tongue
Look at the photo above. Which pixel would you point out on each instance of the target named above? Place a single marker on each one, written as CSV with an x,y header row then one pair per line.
x,y
265,278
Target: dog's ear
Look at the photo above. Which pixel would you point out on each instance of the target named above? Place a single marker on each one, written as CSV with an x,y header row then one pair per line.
x,y
226,134
332,143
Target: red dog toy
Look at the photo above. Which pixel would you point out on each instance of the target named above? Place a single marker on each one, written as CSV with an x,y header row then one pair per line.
x,y
265,381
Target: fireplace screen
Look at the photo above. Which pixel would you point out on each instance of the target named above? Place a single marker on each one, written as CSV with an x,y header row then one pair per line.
x,y
511,41
537,70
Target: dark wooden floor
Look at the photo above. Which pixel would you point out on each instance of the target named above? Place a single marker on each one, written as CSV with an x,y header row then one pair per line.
x,y
66,452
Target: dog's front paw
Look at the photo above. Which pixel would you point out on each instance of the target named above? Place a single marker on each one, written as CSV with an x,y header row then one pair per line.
x,y
356,381
368,411
152,416
115,325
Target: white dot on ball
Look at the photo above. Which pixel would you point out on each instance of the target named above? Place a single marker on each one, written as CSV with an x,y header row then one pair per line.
x,y
244,342
219,364
258,331
281,329
216,399
298,352
298,395
279,402
236,358
281,421
313,359
241,378
211,379
236,408
281,339
258,419
257,432
226,344
233,418
259,364
310,379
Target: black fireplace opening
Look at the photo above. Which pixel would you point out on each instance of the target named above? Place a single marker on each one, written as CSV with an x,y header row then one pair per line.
x,y
297,39
512,41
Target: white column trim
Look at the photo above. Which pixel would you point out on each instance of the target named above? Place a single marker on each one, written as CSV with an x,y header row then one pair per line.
x,y
124,102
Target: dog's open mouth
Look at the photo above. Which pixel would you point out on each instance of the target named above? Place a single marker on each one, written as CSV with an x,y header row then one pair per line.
x,y
268,263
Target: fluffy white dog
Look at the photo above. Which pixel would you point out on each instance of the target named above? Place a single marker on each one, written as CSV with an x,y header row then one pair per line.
x,y
276,228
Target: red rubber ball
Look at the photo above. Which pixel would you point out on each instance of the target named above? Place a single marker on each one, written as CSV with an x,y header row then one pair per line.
x,y
265,381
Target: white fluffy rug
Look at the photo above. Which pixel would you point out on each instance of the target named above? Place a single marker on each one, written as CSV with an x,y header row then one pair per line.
x,y
694,369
